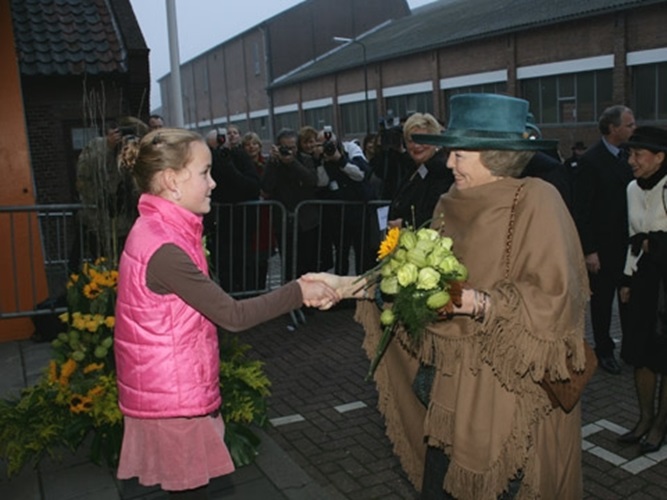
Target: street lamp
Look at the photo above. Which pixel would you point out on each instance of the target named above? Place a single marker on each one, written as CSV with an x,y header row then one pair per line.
x,y
342,39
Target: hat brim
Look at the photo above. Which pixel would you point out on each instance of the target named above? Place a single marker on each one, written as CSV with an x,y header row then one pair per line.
x,y
484,143
644,145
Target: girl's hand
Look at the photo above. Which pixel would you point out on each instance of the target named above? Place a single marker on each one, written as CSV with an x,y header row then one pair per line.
x,y
347,287
317,294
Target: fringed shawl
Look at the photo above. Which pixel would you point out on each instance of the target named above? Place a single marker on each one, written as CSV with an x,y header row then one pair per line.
x,y
485,404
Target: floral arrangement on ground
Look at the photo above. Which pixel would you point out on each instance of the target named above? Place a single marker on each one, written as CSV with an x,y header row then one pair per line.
x,y
75,402
420,278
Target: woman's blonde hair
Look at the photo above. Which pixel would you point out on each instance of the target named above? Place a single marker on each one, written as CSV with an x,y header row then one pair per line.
x,y
425,121
505,163
158,150
250,137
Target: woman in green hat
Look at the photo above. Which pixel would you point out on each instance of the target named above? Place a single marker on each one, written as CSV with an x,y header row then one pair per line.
x,y
489,430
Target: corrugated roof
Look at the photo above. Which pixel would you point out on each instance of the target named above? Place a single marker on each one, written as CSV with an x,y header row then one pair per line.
x,y
67,37
449,22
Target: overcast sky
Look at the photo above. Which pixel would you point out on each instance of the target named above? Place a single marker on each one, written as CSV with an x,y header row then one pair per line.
x,y
202,24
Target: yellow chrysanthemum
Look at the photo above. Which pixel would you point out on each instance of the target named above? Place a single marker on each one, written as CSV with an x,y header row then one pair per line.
x,y
389,243
92,367
53,373
95,391
66,371
64,317
110,321
79,323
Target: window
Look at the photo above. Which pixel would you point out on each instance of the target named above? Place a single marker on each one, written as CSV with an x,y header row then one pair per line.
x,y
319,117
287,120
569,98
255,58
260,126
649,83
405,105
486,88
82,136
354,117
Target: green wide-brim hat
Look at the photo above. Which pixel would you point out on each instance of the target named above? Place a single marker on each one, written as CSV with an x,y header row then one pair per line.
x,y
486,121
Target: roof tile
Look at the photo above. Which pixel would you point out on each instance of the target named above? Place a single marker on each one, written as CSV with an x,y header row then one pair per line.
x,y
67,37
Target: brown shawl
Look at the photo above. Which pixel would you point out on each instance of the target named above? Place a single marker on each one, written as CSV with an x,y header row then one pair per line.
x,y
486,409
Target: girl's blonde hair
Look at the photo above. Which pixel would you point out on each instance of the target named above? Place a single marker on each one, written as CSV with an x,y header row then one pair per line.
x,y
157,151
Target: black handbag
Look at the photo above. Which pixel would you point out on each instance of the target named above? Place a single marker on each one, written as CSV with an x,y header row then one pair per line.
x,y
423,382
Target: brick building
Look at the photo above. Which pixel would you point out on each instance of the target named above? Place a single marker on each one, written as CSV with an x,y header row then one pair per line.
x,y
228,83
569,58
81,62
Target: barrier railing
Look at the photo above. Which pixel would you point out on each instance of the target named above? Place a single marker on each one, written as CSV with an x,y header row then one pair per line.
x,y
46,246
248,243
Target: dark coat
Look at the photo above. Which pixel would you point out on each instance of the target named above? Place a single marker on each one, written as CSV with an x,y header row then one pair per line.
x,y
546,167
600,204
422,191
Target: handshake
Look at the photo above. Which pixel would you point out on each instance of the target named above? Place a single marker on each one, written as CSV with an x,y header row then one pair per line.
x,y
325,290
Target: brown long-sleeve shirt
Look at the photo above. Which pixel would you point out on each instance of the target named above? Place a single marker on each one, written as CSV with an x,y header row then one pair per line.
x,y
170,270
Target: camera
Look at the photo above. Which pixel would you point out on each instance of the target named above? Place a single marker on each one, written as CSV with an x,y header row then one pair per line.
x,y
222,137
128,130
284,151
329,145
329,148
389,121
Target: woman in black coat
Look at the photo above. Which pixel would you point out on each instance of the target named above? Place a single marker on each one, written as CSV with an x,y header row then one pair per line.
x,y
429,178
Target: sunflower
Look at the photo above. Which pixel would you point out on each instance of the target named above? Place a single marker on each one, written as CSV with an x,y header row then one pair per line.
x,y
389,243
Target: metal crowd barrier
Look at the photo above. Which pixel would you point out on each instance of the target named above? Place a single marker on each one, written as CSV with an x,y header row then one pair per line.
x,y
25,246
249,243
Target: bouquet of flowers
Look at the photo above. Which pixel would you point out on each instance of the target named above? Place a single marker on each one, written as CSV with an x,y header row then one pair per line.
x,y
421,276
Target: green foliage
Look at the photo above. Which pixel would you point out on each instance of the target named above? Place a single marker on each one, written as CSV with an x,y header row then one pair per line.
x,y
244,388
77,397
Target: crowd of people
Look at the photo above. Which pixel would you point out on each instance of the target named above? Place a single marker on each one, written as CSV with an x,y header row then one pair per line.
x,y
541,238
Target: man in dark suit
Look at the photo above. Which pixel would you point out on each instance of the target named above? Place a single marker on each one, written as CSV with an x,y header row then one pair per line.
x,y
600,212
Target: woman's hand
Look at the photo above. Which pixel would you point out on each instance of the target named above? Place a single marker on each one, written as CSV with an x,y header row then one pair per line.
x,y
467,301
347,287
624,294
317,294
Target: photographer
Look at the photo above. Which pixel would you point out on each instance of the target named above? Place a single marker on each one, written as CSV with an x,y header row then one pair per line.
x,y
348,171
226,226
290,178
106,191
391,162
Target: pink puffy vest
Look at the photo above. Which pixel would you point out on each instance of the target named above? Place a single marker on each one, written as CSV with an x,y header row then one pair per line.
x,y
167,357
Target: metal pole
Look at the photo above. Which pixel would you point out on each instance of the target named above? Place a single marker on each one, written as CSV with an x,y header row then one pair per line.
x,y
176,111
368,120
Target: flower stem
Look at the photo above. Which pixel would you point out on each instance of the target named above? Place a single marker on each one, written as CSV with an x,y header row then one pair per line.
x,y
387,334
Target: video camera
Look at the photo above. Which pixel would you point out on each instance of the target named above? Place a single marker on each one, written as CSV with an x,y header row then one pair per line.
x,y
128,130
221,140
391,132
329,146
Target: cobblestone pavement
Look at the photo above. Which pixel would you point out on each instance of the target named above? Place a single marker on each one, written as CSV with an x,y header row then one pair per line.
x,y
324,416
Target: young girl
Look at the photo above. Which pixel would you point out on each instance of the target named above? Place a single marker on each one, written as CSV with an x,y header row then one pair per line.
x,y
166,345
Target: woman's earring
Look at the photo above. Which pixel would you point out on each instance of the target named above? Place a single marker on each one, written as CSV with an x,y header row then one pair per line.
x,y
177,194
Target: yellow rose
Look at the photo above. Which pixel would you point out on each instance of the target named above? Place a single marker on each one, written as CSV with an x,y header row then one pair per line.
x,y
437,300
387,318
407,274
389,285
428,279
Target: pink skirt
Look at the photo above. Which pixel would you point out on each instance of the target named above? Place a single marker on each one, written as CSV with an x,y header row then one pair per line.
x,y
176,453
